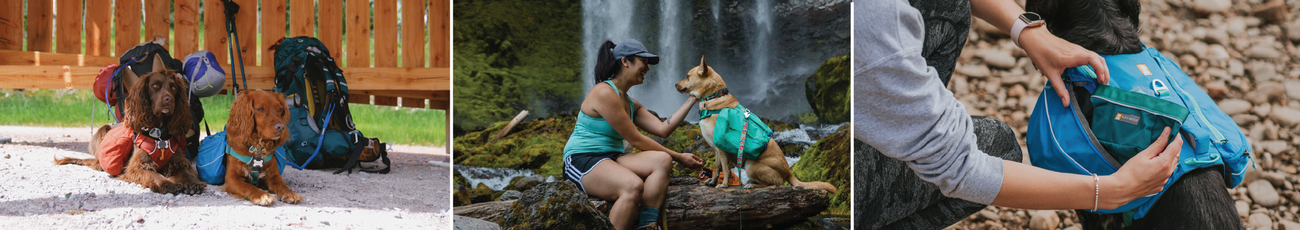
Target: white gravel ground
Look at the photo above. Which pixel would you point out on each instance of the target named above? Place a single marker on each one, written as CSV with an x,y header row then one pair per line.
x,y
36,194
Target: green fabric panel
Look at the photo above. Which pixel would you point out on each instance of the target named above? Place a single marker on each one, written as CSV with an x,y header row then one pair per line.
x,y
729,126
1126,122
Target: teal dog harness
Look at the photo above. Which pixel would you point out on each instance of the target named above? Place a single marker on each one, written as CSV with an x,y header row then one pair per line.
x,y
737,130
254,163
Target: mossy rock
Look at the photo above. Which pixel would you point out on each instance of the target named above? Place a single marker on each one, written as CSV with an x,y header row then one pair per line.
x,y
481,193
458,182
524,183
554,205
828,160
828,90
460,197
537,145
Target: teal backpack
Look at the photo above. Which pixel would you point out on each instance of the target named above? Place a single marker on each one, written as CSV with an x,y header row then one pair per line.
x,y
739,131
320,123
1107,124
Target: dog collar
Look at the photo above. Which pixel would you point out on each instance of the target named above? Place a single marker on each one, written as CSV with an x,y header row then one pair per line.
x,y
155,132
716,95
255,163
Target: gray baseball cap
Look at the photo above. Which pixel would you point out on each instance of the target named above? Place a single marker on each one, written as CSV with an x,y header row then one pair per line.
x,y
633,47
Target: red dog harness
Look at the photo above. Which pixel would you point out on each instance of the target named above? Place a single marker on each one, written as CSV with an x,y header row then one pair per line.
x,y
117,145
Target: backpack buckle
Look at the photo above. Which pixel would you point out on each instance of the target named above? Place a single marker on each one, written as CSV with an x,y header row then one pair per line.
x,y
1160,88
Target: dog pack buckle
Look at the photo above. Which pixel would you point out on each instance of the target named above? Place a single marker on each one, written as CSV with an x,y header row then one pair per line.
x,y
156,132
163,144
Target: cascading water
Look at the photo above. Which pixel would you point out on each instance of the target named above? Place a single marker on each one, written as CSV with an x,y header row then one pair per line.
x,y
763,63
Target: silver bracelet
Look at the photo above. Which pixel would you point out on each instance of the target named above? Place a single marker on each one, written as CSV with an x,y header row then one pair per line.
x,y
1096,195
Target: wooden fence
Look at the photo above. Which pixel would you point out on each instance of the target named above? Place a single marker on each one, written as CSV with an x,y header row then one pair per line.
x,y
415,69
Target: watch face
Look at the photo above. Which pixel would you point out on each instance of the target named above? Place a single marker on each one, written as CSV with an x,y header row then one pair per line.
x,y
1031,17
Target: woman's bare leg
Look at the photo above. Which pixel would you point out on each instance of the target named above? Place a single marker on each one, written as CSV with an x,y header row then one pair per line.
x,y
655,167
611,181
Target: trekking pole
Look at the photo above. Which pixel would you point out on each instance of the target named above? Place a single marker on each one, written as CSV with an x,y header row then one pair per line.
x,y
231,10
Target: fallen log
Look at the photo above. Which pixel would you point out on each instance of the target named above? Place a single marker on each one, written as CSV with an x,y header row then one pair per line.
x,y
703,207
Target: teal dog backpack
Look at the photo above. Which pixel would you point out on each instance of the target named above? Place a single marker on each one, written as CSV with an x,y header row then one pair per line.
x,y
739,131
320,123
1105,125
211,162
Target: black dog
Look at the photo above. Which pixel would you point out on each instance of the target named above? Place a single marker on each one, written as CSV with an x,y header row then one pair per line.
x,y
1198,200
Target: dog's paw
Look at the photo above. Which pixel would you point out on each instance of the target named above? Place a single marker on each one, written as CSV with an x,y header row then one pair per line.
x,y
748,186
720,185
710,182
264,199
291,197
192,189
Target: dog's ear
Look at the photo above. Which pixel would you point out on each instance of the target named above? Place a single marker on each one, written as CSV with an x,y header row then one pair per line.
x,y
704,68
158,64
241,123
139,101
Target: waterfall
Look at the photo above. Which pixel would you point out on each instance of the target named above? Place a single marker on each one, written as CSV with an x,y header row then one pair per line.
x,y
742,40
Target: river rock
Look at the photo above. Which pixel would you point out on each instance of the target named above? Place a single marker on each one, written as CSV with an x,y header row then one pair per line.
x,y
1216,89
1286,116
467,223
1206,7
1262,51
1277,179
999,59
554,205
1292,89
1260,221
510,195
1288,225
1263,193
1243,209
1043,220
1272,11
1273,146
975,71
1234,106
1263,72
1244,119
1293,30
827,90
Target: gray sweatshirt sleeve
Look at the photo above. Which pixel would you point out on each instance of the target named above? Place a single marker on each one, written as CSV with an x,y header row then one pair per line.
x,y
902,108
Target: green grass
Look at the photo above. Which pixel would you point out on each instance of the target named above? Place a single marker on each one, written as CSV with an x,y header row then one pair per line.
x,y
74,108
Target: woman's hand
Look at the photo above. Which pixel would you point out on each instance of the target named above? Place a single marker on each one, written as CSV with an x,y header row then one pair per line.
x,y
1144,174
690,160
1052,55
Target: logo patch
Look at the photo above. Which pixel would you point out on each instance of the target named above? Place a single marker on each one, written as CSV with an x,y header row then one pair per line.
x,y
1128,118
1144,69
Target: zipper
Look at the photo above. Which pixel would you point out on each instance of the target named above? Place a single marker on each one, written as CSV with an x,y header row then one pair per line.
x,y
1187,97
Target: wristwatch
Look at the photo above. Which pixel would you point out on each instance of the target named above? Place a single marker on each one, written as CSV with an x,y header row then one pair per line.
x,y
1026,20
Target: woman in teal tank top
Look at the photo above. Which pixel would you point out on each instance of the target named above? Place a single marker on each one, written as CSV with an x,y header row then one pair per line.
x,y
594,157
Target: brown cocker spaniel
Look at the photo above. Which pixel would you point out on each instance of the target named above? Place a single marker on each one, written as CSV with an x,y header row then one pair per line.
x,y
148,147
257,127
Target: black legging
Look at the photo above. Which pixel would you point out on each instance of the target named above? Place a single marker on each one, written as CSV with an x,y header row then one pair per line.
x,y
889,195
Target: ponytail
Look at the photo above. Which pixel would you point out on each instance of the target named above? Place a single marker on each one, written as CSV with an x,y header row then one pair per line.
x,y
606,65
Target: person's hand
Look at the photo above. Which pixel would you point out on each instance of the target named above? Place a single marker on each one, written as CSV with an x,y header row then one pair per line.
x,y
690,160
1052,55
1145,174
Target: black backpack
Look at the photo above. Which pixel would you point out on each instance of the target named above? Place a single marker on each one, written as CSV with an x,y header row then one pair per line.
x,y
142,59
321,131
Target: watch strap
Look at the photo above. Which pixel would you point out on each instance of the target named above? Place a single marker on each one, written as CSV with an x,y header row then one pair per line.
x,y
1016,28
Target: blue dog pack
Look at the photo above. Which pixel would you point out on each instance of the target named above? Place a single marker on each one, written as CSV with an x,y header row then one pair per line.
x,y
1126,111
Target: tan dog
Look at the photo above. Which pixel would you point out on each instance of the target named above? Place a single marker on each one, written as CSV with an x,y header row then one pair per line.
x,y
770,168
257,126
